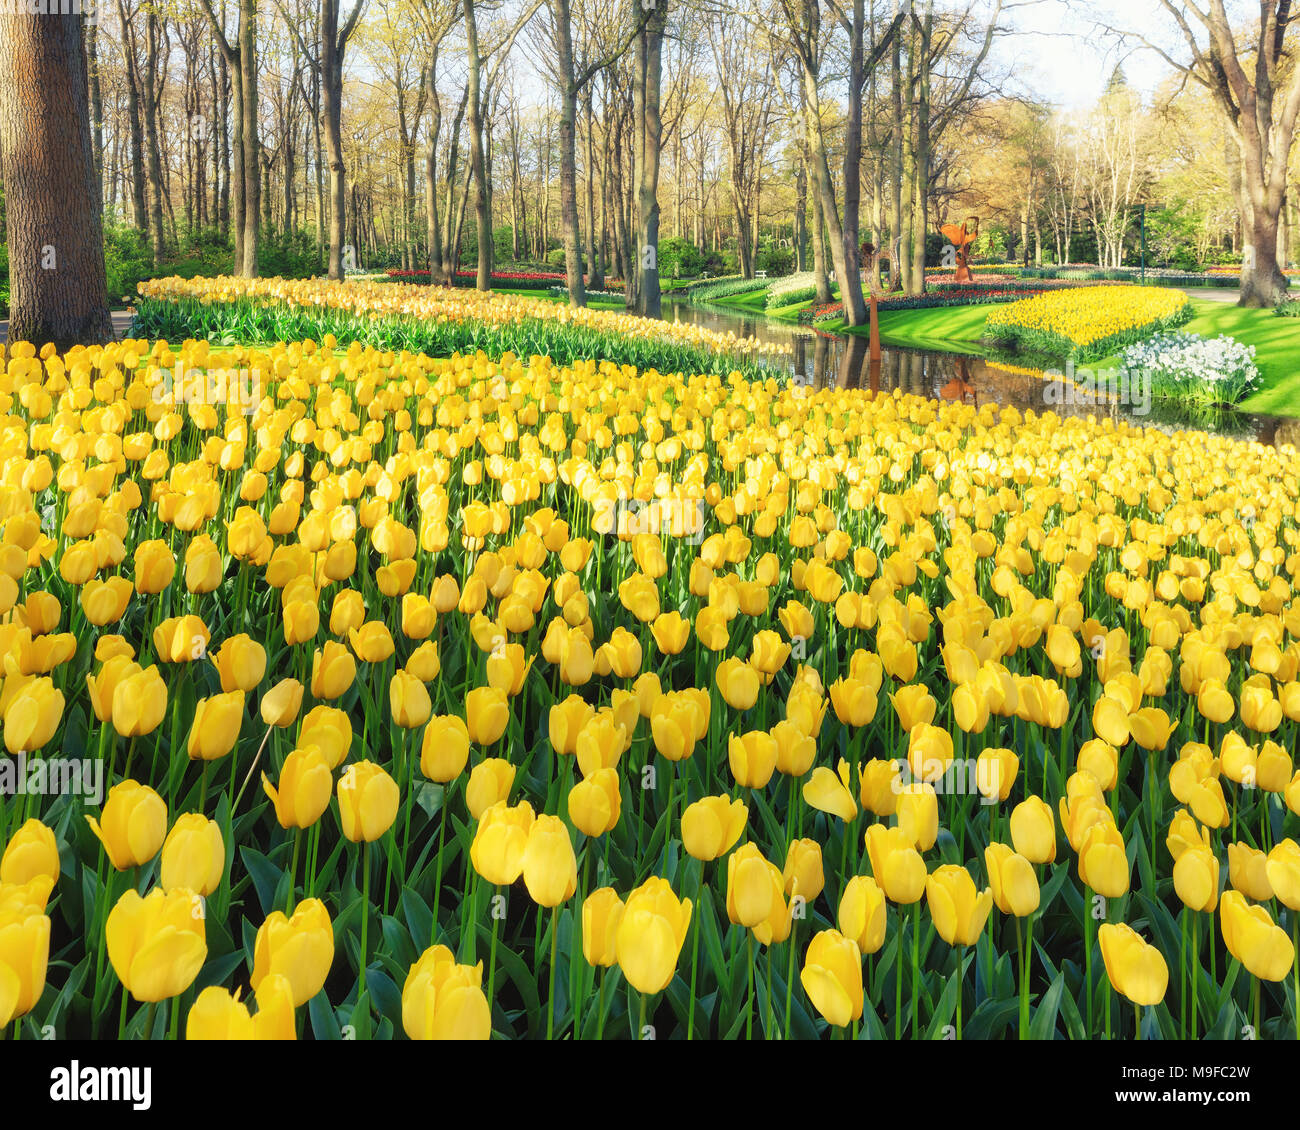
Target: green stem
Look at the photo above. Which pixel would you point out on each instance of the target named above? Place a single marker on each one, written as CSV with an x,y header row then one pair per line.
x,y
600,1006
437,881
555,933
749,1018
916,962
1196,970
293,871
695,957
789,977
365,909
898,979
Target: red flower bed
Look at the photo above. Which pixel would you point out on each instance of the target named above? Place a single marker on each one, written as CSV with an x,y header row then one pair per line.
x,y
497,276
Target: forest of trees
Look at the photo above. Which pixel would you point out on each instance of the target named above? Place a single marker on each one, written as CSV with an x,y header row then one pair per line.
x,y
628,141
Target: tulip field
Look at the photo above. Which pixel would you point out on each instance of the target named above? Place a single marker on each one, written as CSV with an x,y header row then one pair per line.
x,y
498,694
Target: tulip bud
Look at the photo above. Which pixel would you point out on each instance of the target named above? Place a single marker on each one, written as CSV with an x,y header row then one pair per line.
x,y
193,855
862,913
550,867
602,911
650,935
1137,970
497,851
596,803
301,948
444,1000
216,726
304,790
832,977
132,824
1012,881
31,852
957,909
157,943
368,801
487,712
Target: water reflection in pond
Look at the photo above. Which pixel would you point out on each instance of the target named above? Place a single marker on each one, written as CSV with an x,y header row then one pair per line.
x,y
822,360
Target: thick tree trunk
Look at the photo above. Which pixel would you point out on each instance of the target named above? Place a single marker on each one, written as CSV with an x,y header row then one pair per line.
x,y
332,108
897,127
651,130
139,201
149,96
850,289
53,225
252,164
921,156
821,276
801,213
478,158
563,23
854,304
432,219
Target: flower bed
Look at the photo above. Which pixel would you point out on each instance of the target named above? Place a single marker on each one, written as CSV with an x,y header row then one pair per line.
x,y
1189,367
518,279
1088,322
462,697
438,321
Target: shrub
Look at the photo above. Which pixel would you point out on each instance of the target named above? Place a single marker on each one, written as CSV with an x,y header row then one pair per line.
x,y
679,258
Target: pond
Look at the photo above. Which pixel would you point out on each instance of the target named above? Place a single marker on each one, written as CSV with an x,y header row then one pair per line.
x,y
821,359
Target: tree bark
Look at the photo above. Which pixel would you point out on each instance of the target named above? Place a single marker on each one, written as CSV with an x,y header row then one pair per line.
x,y
650,57
53,227
150,113
478,158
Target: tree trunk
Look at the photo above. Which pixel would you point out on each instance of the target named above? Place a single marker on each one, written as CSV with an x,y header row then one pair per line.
x,y
139,202
433,225
596,278
821,276
478,158
851,283
149,95
568,153
651,132
897,127
53,224
251,164
921,183
96,102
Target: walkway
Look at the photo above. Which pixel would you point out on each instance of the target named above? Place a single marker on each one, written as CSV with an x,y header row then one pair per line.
x,y
121,321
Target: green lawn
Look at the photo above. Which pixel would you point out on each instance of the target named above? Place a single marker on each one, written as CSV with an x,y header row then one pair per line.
x,y
1276,341
951,329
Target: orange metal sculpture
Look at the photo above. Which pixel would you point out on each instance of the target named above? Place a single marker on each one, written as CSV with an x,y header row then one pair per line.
x,y
961,237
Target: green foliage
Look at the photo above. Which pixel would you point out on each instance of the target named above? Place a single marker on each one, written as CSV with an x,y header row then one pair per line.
x,y
127,261
775,260
1171,236
679,258
564,343
992,243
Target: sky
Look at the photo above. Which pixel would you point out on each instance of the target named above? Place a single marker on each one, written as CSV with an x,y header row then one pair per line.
x,y
1065,57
